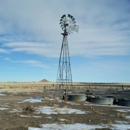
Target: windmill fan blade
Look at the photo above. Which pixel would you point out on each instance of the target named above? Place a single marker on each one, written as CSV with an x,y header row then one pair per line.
x,y
76,28
61,26
64,19
63,16
73,19
61,22
69,18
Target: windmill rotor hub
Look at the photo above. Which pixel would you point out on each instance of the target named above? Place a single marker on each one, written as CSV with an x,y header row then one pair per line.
x,y
68,24
64,34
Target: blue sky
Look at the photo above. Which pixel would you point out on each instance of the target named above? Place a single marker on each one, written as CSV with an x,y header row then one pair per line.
x,y
30,40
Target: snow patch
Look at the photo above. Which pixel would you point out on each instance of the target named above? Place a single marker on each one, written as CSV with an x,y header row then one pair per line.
x,y
79,126
76,126
50,110
127,117
37,116
14,110
62,119
33,100
2,94
26,116
123,110
72,103
49,117
4,105
2,108
121,122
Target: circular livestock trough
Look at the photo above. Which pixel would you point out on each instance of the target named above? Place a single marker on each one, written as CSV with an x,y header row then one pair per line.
x,y
77,97
106,100
124,102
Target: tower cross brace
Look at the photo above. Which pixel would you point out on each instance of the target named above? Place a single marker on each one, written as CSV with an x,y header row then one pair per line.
x,y
64,75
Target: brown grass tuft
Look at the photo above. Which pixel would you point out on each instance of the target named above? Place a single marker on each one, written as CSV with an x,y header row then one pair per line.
x,y
118,114
29,109
46,99
121,114
110,124
65,106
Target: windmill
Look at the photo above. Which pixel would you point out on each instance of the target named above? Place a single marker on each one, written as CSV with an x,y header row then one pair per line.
x,y
64,75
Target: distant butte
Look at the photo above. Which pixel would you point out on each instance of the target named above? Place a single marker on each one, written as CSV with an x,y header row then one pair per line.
x,y
44,80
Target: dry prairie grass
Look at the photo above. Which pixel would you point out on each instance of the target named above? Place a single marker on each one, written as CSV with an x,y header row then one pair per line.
x,y
65,106
110,124
123,115
38,86
129,120
67,110
29,109
58,110
120,114
46,99
54,107
72,121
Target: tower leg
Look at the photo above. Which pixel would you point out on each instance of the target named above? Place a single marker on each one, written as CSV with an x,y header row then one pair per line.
x,y
64,76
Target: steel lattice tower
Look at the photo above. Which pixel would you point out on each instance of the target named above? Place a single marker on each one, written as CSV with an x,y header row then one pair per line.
x,y
64,75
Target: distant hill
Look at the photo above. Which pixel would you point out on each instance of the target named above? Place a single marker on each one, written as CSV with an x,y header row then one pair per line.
x,y
44,80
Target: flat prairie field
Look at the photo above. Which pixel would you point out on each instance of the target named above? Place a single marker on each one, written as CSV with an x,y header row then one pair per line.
x,y
38,106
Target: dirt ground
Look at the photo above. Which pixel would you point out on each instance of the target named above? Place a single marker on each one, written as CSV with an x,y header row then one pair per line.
x,y
95,114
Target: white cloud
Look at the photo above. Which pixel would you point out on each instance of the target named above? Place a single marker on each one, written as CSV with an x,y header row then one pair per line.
x,y
29,62
44,49
3,50
104,27
32,63
8,59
